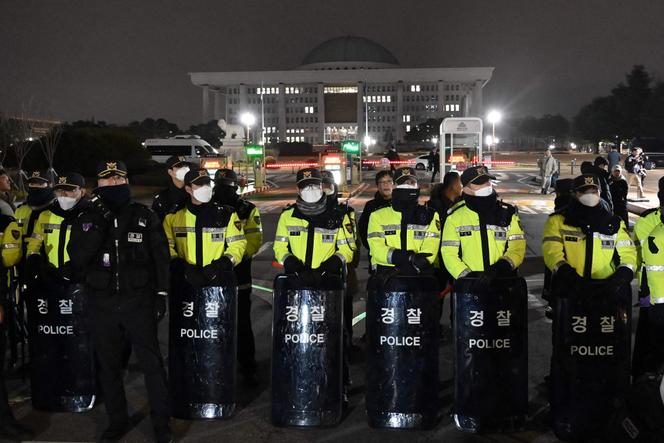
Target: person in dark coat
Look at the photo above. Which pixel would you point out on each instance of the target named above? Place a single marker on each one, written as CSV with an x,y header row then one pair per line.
x,y
619,188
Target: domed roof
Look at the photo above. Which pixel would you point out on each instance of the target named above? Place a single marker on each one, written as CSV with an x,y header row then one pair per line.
x,y
349,49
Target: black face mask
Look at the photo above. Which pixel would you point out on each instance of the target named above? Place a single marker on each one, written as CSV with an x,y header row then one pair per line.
x,y
404,198
40,196
114,197
225,193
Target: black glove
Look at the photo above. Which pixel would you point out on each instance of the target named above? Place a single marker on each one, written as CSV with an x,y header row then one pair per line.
x,y
214,269
332,265
309,277
160,305
292,265
194,275
501,267
32,266
566,275
622,276
177,266
401,258
419,262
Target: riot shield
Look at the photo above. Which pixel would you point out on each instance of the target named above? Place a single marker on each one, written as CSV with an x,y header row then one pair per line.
x,y
591,352
491,355
202,349
307,340
402,352
62,369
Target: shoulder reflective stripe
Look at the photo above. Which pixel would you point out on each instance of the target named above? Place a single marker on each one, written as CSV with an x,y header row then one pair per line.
x,y
656,300
10,245
572,233
467,228
464,273
508,260
391,227
432,234
417,227
516,237
324,231
624,243
181,229
558,239
654,268
450,243
214,230
281,238
235,238
296,228
605,236
252,230
496,228
375,235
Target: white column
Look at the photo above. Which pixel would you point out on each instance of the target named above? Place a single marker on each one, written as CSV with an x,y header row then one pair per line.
x,y
206,103
476,100
219,104
399,132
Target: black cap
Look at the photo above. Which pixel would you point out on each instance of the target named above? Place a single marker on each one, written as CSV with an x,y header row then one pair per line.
x,y
177,161
71,180
382,174
564,185
197,176
402,174
111,168
328,177
308,176
225,177
585,181
476,175
38,177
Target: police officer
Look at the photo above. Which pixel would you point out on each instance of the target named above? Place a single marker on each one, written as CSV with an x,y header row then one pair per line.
x,y
643,227
382,199
405,235
40,196
481,234
313,237
566,235
174,197
52,228
225,193
11,247
119,249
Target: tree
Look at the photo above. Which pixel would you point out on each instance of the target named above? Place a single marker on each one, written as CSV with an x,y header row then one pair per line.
x,y
49,145
597,120
210,132
629,100
652,116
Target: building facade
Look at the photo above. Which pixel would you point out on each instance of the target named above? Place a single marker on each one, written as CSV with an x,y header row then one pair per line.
x,y
346,88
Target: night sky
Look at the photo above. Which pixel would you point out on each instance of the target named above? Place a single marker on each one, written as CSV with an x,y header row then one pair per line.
x,y
119,60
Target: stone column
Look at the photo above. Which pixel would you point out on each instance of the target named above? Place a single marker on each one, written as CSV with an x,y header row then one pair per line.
x,y
219,104
244,102
476,100
206,103
399,129
441,98
281,106
320,106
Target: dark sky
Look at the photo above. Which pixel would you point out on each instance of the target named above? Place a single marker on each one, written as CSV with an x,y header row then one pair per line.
x,y
122,60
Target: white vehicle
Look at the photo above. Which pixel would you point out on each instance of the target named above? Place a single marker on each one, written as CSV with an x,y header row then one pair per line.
x,y
190,146
422,162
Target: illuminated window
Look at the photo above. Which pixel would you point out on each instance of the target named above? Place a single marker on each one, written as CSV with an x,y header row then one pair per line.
x,y
407,128
414,88
340,90
406,118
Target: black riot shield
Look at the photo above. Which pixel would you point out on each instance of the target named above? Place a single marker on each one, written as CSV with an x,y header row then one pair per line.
x,y
491,355
62,370
591,356
402,352
307,339
202,349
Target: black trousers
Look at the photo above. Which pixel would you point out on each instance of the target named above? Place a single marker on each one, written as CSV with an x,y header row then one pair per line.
x,y
246,347
111,328
648,353
5,411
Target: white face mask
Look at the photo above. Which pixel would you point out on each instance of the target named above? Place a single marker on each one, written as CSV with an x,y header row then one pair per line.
x,y
589,199
67,203
311,195
203,194
406,186
484,192
181,172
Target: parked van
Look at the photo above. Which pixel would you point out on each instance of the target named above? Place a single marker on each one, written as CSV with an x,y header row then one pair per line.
x,y
190,146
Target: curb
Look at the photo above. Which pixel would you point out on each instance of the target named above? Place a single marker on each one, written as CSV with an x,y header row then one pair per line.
x,y
256,191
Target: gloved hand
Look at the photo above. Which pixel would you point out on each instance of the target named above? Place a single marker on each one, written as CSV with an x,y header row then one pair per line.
x,y
177,265
32,266
309,277
194,275
566,275
160,305
332,265
419,262
622,276
501,267
213,270
293,265
401,258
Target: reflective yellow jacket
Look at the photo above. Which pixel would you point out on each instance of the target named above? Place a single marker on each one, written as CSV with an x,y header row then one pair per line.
x,y
26,219
653,263
461,246
11,242
644,225
562,243
250,217
385,228
331,235
206,236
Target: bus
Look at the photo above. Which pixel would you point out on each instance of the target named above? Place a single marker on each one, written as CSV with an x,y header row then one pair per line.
x,y
190,146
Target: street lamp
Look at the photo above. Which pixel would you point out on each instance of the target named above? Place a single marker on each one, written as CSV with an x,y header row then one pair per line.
x,y
493,117
248,120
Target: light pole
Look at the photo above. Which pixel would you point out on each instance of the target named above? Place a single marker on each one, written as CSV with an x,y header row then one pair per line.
x,y
248,120
493,117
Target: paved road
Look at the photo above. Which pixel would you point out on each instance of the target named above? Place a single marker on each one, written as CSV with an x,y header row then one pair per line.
x,y
252,424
